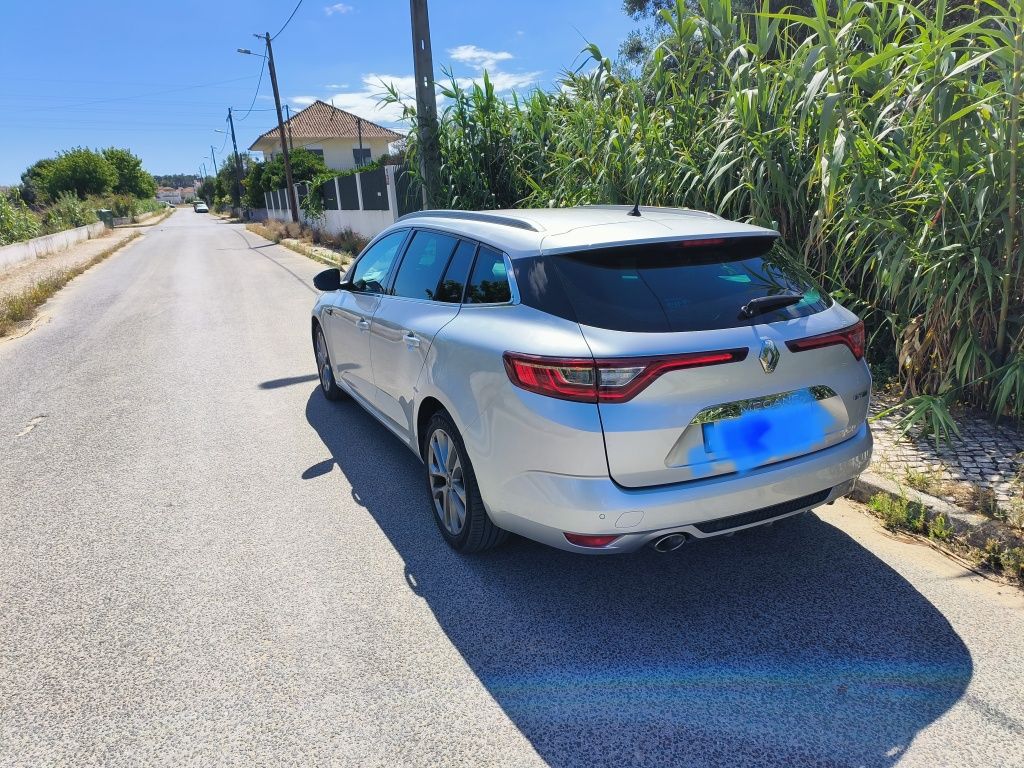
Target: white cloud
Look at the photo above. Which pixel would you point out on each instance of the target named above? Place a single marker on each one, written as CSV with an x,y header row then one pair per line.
x,y
365,102
477,57
483,60
507,81
330,10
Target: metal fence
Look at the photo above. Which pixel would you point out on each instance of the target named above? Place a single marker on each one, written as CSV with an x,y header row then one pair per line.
x,y
363,191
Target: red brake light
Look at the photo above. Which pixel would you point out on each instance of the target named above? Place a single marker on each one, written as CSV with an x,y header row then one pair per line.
x,y
851,337
703,242
583,540
605,380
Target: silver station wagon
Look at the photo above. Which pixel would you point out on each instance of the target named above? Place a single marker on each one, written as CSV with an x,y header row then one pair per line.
x,y
599,378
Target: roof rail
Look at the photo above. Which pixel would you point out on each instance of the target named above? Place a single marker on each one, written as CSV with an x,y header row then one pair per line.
x,y
658,208
488,218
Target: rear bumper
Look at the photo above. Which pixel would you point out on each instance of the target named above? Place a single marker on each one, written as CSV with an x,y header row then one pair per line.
x,y
542,506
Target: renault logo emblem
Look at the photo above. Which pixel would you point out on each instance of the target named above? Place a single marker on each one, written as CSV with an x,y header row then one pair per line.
x,y
769,355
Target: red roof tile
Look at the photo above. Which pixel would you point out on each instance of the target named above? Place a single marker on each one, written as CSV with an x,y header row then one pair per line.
x,y
322,121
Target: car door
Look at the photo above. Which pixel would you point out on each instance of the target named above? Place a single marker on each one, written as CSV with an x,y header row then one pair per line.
x,y
423,298
349,316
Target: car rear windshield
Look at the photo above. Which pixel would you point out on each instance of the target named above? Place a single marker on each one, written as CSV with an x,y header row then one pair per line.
x,y
668,287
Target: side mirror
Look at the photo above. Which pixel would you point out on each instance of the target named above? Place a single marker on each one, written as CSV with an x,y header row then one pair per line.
x,y
328,280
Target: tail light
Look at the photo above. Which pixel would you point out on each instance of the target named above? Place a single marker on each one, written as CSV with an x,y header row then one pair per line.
x,y
584,540
851,337
607,380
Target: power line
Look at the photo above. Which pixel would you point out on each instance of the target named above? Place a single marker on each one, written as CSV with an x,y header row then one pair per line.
x,y
287,22
136,96
259,82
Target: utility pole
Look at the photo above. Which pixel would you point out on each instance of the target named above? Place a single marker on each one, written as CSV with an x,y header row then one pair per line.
x,y
292,202
214,157
426,102
288,122
238,164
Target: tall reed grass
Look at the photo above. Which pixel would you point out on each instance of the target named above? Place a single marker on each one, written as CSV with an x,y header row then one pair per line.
x,y
882,139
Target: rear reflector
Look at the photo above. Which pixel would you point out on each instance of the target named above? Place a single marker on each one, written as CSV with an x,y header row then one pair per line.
x,y
851,337
604,380
594,542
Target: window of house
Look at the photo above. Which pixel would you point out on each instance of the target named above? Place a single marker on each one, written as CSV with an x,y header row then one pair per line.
x,y
362,156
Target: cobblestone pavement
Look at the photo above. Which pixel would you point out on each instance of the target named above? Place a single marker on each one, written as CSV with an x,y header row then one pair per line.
x,y
985,455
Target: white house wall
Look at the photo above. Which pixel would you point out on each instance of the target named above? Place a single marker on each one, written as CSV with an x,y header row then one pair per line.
x,y
338,152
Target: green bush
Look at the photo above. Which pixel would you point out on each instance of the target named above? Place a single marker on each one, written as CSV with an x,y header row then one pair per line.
x,y
82,172
131,178
17,222
68,212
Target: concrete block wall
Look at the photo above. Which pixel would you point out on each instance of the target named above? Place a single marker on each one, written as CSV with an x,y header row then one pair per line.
x,y
17,253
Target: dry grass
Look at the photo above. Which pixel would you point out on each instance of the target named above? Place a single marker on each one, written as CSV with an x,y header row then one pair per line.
x,y
21,307
333,250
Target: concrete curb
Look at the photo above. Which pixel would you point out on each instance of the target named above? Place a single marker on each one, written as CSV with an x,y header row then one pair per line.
x,y
973,528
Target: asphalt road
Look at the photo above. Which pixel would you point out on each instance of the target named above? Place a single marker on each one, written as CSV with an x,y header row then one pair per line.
x,y
202,562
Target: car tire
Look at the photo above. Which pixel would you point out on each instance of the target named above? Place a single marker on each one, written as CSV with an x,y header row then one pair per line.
x,y
455,502
324,368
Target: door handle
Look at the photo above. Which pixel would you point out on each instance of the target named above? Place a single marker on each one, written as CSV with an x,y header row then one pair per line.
x,y
364,325
411,341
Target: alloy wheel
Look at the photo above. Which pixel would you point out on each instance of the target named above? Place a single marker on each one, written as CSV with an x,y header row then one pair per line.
x,y
447,483
323,361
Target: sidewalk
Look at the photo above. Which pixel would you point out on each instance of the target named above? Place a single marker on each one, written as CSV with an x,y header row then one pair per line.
x,y
985,456
31,272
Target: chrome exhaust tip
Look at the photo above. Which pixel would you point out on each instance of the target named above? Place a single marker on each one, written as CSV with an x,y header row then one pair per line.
x,y
670,542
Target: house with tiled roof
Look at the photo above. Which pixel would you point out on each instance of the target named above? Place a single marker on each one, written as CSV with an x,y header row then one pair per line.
x,y
342,139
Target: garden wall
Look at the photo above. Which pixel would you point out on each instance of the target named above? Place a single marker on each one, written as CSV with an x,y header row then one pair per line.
x,y
17,253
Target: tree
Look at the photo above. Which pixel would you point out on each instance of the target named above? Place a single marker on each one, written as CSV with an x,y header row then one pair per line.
x,y
81,171
305,165
132,179
252,184
34,182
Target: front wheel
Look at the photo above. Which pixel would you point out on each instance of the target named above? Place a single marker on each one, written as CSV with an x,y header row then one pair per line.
x,y
328,385
454,498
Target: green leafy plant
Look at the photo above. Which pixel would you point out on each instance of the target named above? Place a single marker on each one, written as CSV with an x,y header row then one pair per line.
x,y
82,172
1012,561
68,212
940,529
17,222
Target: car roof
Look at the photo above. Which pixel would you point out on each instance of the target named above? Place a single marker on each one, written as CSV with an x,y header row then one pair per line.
x,y
528,231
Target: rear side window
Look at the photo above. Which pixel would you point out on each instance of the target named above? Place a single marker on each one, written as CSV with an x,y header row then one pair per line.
x,y
423,264
669,287
454,281
489,282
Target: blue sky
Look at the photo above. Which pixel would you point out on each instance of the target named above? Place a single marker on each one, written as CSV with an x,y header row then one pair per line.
x,y
158,77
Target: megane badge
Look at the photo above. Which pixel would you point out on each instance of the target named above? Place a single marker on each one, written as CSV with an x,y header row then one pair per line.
x,y
769,355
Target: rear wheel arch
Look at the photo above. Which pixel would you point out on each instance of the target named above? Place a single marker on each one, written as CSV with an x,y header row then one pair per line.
x,y
427,408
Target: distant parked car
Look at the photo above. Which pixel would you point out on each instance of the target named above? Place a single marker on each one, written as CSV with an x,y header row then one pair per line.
x,y
599,379
201,208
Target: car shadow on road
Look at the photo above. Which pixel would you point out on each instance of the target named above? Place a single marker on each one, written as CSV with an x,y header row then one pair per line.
x,y
788,645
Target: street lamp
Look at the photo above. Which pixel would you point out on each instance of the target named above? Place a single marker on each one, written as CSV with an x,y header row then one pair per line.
x,y
292,202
